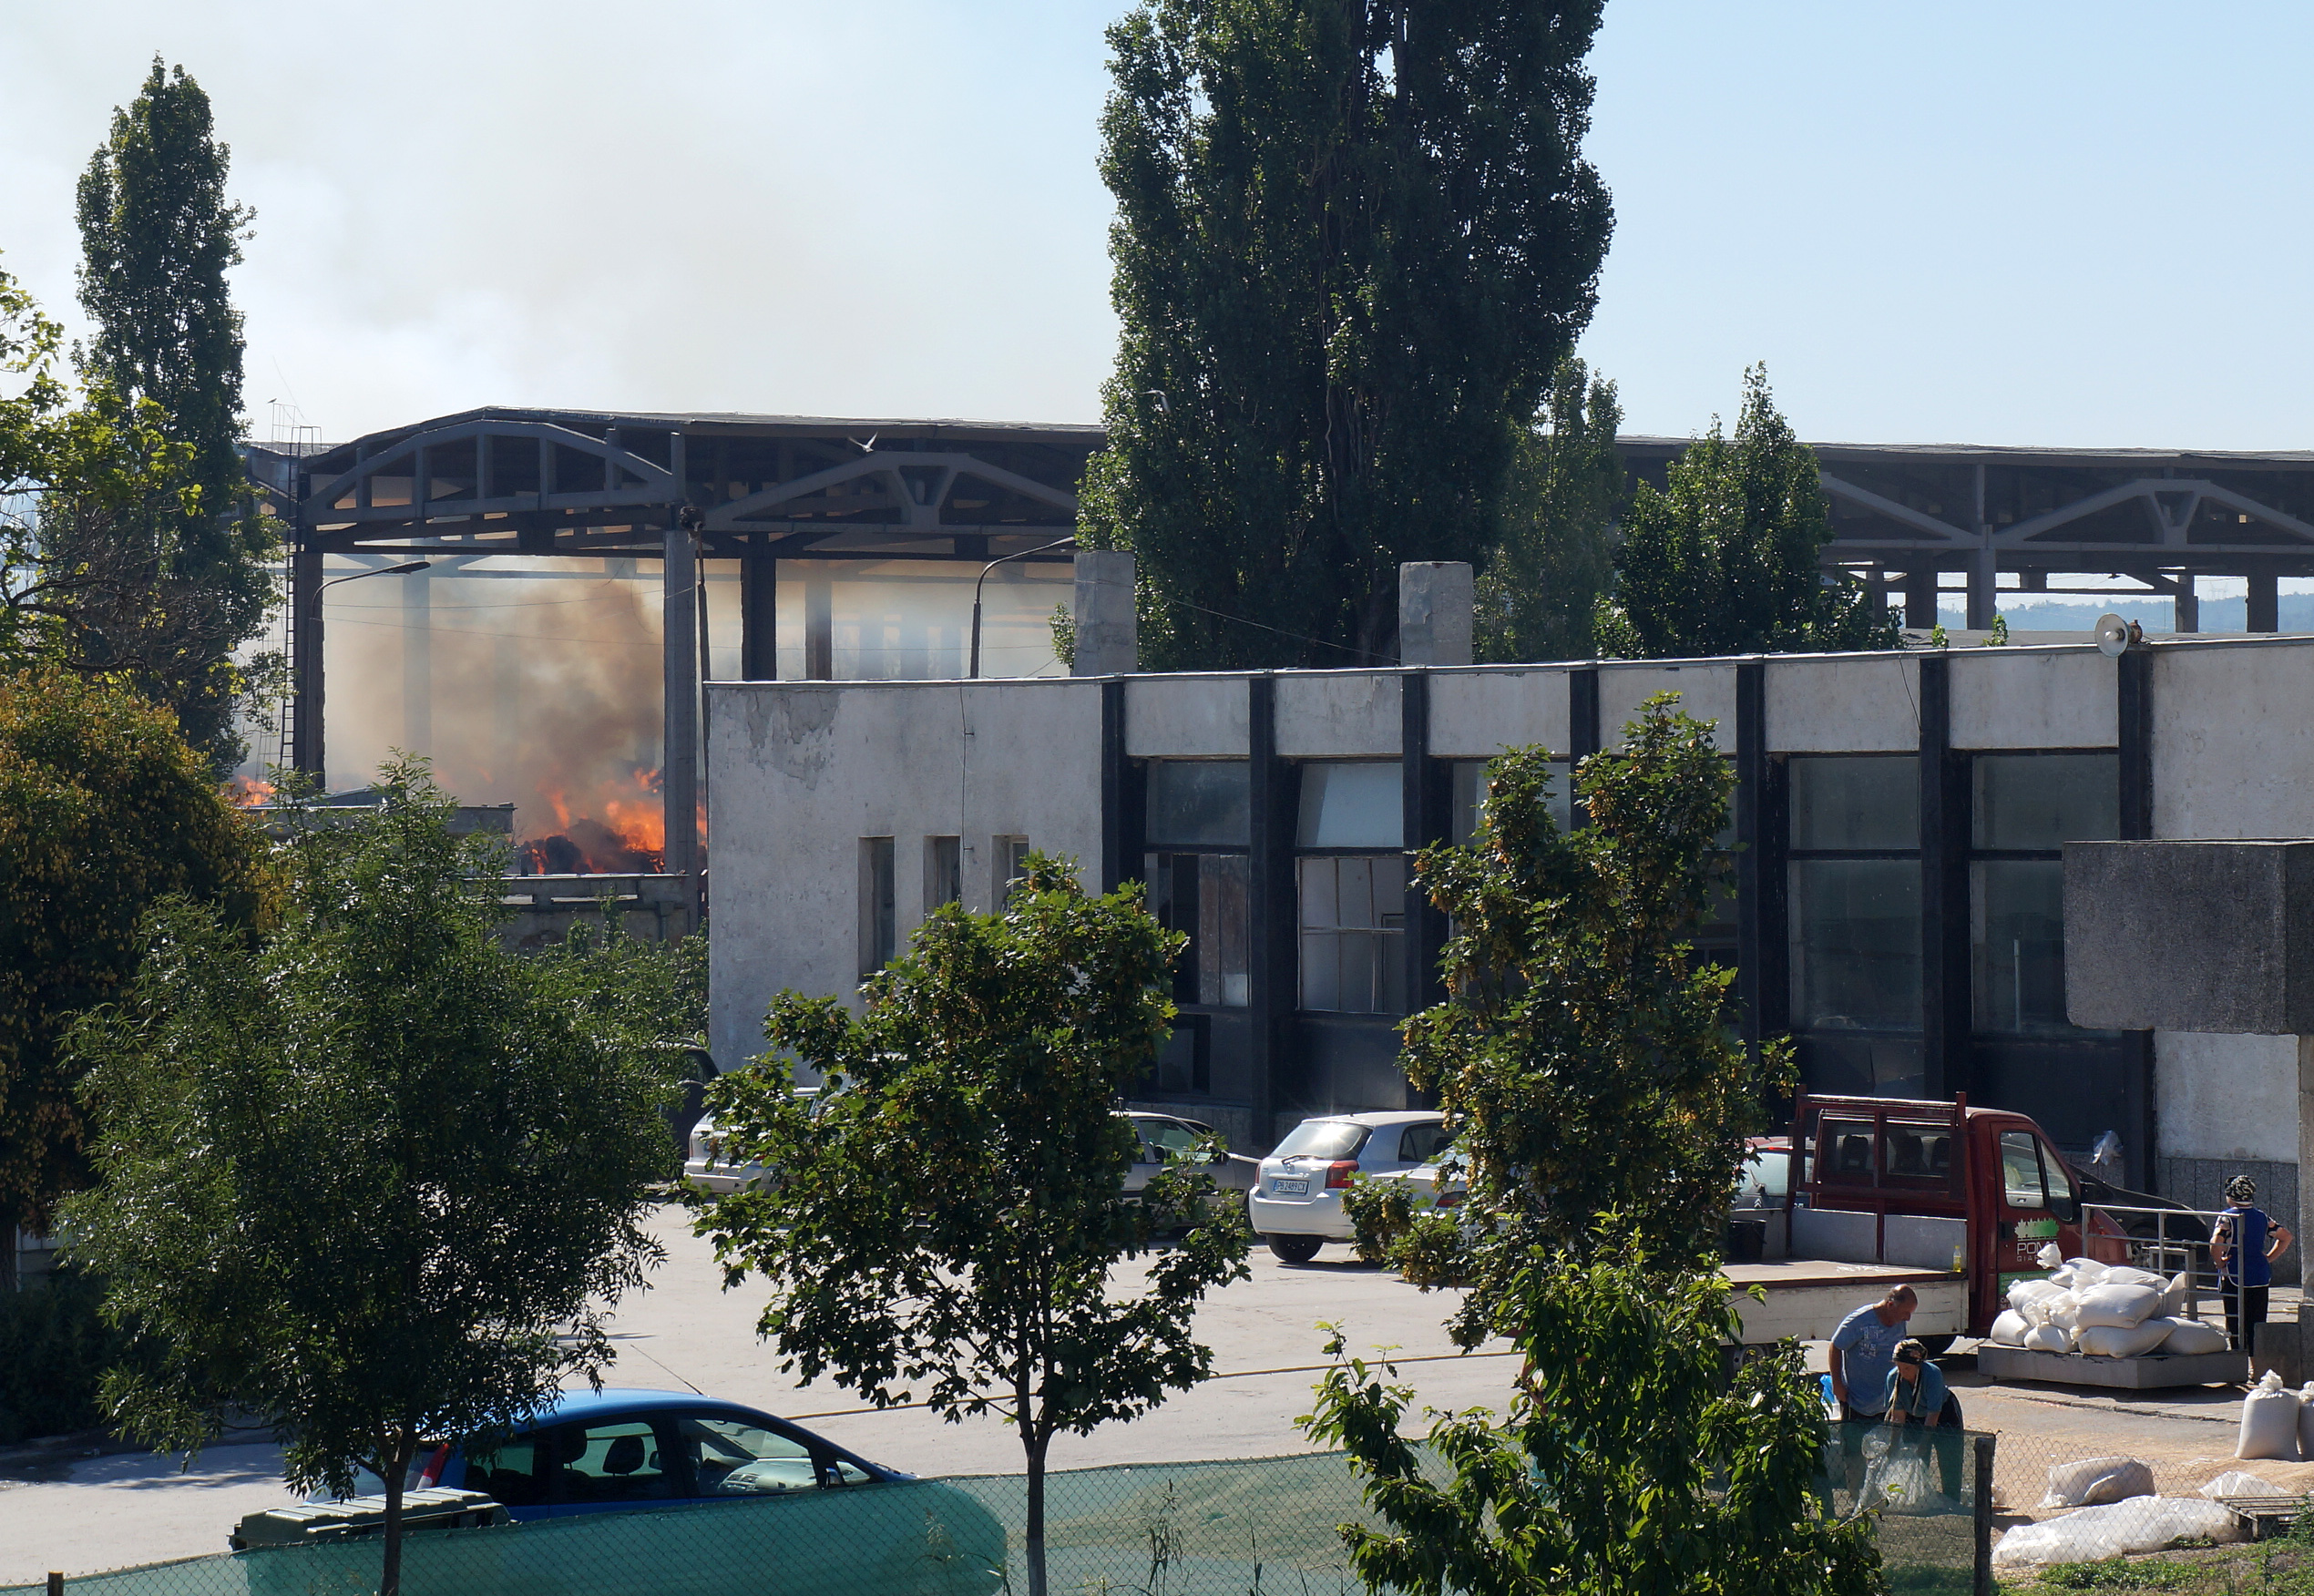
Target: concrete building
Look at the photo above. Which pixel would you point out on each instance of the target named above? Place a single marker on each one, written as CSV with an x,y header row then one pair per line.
x,y
1900,893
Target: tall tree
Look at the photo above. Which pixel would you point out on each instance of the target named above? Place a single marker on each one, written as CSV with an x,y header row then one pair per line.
x,y
104,811
951,1208
1354,240
373,1178
1538,595
158,235
1724,559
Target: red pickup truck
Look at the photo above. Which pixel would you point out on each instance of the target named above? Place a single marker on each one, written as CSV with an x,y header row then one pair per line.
x,y
1955,1201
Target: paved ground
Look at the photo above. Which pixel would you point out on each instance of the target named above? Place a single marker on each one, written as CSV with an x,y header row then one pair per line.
x,y
100,1512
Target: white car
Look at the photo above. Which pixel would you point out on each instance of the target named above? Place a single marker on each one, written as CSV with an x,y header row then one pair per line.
x,y
1296,1206
707,1169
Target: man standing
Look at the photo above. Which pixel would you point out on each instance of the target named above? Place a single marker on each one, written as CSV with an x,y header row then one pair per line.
x,y
2244,1244
1863,1355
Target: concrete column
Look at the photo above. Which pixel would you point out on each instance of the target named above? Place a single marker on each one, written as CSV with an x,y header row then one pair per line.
x,y
1435,601
2265,602
1920,599
1108,641
2189,604
678,759
1983,587
417,663
819,624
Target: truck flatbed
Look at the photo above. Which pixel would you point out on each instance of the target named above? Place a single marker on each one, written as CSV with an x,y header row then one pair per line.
x,y
1783,1272
1808,1297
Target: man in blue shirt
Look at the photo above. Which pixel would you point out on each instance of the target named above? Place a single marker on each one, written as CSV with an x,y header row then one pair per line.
x,y
2244,1244
1864,1351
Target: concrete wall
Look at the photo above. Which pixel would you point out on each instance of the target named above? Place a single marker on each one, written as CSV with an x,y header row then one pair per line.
x,y
2233,743
1338,715
1844,703
2228,1098
2046,697
1476,714
799,772
1706,692
1185,717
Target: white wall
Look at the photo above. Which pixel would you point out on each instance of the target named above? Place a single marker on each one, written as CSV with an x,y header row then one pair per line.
x,y
1477,714
798,773
1844,703
1340,714
1185,717
2226,1097
2234,741
2054,698
1706,692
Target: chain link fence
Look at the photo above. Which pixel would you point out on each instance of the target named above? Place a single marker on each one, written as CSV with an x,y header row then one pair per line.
x,y
1256,1527
2057,1501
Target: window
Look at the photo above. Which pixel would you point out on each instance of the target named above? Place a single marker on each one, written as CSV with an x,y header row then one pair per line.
x,y
1844,1146
1470,793
1853,893
1194,803
2020,1170
1206,896
1919,1152
943,872
731,1456
879,908
511,1473
1328,1138
1353,806
619,1461
1010,858
1418,1144
1164,1138
2025,808
1353,924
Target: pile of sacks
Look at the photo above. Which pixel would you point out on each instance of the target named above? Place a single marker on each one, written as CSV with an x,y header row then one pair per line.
x,y
2276,1423
2103,1310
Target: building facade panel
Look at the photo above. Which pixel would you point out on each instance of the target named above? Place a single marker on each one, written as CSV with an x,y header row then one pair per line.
x,y
1706,692
2233,743
1850,703
2038,697
1185,717
1476,714
1338,715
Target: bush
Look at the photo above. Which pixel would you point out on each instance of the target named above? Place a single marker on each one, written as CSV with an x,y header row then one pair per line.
x,y
54,1349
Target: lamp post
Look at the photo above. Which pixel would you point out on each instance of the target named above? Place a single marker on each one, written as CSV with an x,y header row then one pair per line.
x,y
974,673
308,658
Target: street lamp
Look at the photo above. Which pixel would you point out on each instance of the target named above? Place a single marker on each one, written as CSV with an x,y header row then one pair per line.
x,y
1023,553
404,570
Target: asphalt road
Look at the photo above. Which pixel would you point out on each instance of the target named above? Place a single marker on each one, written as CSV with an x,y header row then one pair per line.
x,y
110,1511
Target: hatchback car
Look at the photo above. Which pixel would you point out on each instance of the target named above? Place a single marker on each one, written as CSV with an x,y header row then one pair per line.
x,y
1297,1207
1164,1137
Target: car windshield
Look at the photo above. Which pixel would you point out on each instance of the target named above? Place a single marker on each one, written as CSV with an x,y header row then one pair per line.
x,y
1322,1139
731,1456
1767,1173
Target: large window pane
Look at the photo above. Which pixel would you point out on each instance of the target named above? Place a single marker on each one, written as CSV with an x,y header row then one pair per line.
x,y
1860,803
1351,806
1856,943
1193,801
2017,927
1470,794
1206,897
2046,799
1353,924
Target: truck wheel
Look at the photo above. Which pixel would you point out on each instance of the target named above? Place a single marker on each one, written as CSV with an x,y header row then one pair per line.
x,y
1294,1248
1937,1345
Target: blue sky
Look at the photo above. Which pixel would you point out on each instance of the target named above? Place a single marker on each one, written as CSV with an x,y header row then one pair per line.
x,y
2050,224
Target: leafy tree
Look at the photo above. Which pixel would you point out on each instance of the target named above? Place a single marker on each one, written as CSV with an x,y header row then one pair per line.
x,y
371,1178
158,235
1578,1020
1556,561
103,811
950,1207
1354,241
654,994
1724,559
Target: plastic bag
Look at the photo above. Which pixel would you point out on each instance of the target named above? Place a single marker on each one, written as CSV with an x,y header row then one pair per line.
x,y
2097,1480
2093,1534
2116,1304
2189,1336
2269,1422
2114,1341
2048,1338
2009,1328
2050,1255
2235,1483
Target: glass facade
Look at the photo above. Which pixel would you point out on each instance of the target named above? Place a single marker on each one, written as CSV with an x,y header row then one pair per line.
x,y
1345,806
1853,930
1470,793
1352,932
2042,801
1848,803
1200,802
2023,808
1856,944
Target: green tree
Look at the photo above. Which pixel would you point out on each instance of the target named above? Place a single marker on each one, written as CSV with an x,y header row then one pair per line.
x,y
1725,559
1539,592
157,236
371,1178
950,1207
1578,1020
654,994
103,810
1354,241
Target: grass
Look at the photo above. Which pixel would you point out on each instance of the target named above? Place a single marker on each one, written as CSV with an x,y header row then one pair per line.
x,y
2273,1568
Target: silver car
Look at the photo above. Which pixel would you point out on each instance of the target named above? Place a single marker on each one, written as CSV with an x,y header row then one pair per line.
x,y
1297,1207
1164,1137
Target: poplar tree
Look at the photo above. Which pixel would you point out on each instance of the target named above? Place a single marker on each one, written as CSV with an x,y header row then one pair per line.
x,y
158,235
1726,557
1354,240
1537,596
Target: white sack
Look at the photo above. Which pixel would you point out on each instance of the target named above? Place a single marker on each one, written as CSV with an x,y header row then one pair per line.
x,y
2178,1295
2061,1278
2306,1421
2123,1274
2086,1273
2123,1307
2235,1483
2009,1328
2048,1338
2048,1257
2064,1312
2032,1291
2269,1422
2094,1481
2189,1336
2093,1534
2113,1341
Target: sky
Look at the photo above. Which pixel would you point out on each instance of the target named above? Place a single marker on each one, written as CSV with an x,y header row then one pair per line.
x,y
2054,223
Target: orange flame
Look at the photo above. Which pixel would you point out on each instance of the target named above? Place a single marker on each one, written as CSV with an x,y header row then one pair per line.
x,y
248,792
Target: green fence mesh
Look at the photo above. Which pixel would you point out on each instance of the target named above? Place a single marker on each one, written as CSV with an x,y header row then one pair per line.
x,y
1252,1527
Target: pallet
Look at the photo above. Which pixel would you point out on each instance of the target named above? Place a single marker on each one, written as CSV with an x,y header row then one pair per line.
x,y
2263,1518
2154,1372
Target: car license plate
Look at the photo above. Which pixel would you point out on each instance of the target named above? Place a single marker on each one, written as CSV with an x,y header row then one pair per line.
x,y
1300,1188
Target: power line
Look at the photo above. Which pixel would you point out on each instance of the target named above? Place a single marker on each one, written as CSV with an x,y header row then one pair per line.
x,y
1281,632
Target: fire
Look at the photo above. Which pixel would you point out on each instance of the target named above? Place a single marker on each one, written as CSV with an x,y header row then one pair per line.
x,y
248,792
628,839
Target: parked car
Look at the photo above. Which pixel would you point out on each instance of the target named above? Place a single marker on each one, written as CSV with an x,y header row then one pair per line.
x,y
845,1520
1297,1207
707,1169
1165,1136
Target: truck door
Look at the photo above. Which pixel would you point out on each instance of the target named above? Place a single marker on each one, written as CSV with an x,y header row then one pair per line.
x,y
2029,1216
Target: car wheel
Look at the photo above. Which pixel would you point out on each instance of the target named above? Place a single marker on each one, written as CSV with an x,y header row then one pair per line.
x,y
1294,1249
